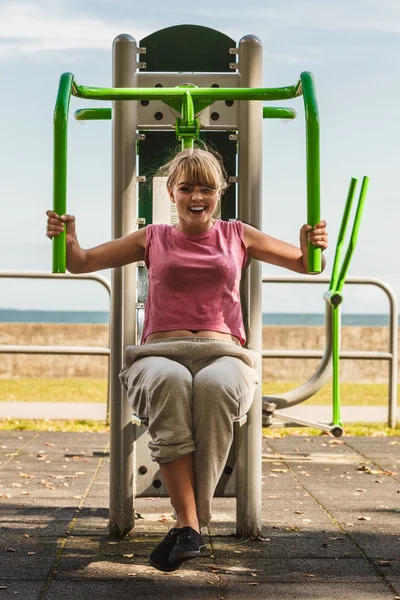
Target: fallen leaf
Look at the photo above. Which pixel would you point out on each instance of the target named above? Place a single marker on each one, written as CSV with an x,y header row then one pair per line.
x,y
384,563
362,518
5,496
213,569
16,485
280,470
10,549
308,575
31,553
49,444
127,556
360,490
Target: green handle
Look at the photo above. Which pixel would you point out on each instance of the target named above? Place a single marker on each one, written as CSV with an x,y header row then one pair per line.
x,y
354,234
342,232
313,165
60,166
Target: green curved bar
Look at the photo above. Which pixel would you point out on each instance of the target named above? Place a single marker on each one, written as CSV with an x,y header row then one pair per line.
x,y
104,114
205,94
313,165
275,112
342,232
60,166
93,114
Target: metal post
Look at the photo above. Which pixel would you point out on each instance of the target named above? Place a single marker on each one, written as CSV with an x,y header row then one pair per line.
x,y
123,300
393,364
249,465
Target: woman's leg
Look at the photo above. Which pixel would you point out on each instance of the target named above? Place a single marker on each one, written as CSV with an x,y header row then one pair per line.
x,y
222,392
179,479
160,390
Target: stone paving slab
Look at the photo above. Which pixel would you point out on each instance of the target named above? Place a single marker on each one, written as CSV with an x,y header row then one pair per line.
x,y
315,546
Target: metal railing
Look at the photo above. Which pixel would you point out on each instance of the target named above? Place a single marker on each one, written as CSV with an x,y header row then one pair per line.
x,y
70,350
391,355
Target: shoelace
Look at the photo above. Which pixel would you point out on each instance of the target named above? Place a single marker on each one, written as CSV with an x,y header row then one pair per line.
x,y
186,535
171,533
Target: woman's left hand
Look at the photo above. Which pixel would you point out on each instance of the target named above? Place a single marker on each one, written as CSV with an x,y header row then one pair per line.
x,y
317,235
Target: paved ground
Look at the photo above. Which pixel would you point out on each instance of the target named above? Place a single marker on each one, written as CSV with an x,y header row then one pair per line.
x,y
331,515
97,411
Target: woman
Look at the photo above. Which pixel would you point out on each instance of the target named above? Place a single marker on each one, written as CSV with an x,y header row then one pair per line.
x,y
191,377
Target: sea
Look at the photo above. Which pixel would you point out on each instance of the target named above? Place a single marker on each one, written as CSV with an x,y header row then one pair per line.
x,y
63,316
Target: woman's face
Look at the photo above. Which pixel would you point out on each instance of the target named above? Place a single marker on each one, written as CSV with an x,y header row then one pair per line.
x,y
195,203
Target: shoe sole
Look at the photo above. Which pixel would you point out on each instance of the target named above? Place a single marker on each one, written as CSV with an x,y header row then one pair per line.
x,y
187,555
173,567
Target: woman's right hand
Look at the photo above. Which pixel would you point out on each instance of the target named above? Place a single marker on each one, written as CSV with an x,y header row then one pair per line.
x,y
55,225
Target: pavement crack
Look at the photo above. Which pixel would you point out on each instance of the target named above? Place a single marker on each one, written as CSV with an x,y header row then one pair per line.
x,y
63,541
219,585
16,453
371,460
359,548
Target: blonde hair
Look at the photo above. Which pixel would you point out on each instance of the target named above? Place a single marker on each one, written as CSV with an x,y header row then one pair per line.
x,y
200,166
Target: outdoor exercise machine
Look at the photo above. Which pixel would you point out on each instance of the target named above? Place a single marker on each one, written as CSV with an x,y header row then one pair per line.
x,y
189,89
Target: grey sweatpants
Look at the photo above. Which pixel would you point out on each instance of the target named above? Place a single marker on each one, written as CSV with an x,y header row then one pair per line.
x,y
191,390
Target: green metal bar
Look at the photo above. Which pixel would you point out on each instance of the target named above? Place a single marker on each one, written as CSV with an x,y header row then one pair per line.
x,y
275,112
104,114
206,94
313,165
187,110
354,234
60,166
335,365
342,232
93,114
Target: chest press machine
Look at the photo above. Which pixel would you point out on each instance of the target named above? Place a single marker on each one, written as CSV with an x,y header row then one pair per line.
x,y
195,83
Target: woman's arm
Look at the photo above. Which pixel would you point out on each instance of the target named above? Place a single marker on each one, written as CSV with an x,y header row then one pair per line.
x,y
277,252
125,250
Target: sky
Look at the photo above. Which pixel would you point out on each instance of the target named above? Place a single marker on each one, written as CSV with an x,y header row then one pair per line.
x,y
350,46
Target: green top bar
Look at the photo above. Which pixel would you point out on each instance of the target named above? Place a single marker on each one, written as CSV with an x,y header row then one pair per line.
x,y
176,93
189,101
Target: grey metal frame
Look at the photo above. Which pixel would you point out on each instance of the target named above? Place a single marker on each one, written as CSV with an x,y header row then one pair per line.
x,y
249,444
70,350
310,387
123,313
125,125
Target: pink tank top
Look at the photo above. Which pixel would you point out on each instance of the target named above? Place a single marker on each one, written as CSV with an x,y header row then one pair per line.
x,y
194,279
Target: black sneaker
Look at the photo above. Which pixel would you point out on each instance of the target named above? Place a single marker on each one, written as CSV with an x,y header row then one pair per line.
x,y
188,545
159,557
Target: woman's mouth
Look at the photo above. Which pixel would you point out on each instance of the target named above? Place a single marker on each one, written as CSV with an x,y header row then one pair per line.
x,y
197,209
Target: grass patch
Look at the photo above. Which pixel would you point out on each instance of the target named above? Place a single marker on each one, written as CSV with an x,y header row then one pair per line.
x,y
353,429
53,390
351,394
50,425
95,390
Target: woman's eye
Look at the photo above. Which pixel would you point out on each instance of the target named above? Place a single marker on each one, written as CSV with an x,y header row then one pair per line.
x,y
208,191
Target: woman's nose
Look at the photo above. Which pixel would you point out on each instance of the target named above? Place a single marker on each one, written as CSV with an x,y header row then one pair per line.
x,y
197,193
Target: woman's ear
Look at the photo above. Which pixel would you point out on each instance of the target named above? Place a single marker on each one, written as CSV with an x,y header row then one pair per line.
x,y
171,193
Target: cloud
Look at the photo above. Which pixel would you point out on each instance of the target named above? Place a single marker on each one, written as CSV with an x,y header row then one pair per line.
x,y
342,15
27,28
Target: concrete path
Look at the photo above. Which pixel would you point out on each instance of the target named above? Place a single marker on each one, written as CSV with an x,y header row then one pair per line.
x,y
331,526
97,411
